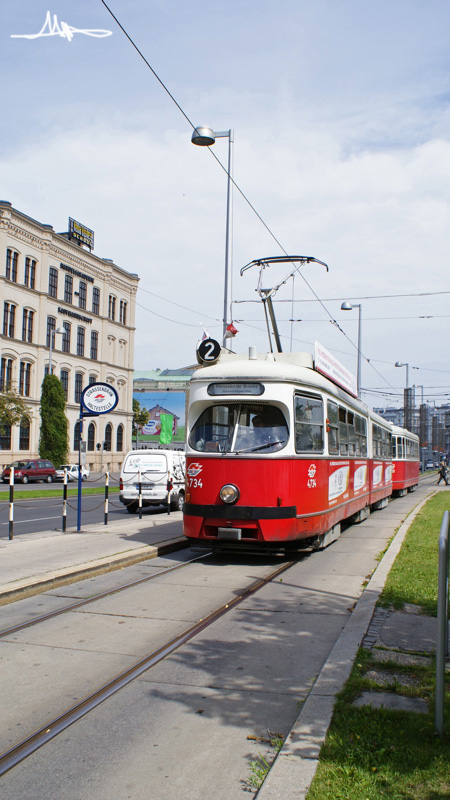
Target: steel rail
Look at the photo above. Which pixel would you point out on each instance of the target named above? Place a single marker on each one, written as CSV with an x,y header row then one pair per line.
x,y
99,596
26,747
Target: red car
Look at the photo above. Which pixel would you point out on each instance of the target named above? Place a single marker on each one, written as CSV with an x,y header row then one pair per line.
x,y
38,469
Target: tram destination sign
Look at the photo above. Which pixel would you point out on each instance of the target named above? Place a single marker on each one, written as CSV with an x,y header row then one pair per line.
x,y
99,398
329,366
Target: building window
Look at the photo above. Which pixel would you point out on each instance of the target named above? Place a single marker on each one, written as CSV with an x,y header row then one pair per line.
x,y
119,439
68,289
76,436
24,435
96,300
112,307
108,437
5,437
25,378
78,386
53,282
9,318
27,325
80,341
64,378
82,294
30,272
94,345
5,374
66,337
51,327
91,437
123,312
92,379
11,264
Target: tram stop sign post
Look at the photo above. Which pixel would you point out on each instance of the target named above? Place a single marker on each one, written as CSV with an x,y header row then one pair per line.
x,y
96,399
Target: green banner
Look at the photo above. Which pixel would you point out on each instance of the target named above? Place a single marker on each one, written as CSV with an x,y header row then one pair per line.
x,y
166,434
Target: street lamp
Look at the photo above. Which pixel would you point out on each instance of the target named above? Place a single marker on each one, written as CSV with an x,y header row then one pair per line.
x,y
401,364
52,345
205,137
346,306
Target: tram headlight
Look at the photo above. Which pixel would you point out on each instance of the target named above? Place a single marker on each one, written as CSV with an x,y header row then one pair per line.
x,y
229,493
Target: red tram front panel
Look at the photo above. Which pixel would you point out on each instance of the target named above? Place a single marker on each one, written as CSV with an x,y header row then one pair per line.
x,y
280,499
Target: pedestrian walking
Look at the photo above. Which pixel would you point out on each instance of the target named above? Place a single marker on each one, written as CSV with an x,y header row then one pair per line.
x,y
442,473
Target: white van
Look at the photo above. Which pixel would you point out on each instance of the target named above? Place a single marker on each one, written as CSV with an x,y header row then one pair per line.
x,y
155,468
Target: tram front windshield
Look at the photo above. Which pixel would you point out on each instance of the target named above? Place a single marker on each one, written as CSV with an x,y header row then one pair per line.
x,y
239,428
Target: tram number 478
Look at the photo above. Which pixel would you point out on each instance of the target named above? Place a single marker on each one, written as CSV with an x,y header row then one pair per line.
x,y
196,483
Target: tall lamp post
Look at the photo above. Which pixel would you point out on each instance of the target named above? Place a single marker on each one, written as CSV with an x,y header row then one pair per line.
x,y
346,306
52,346
406,401
401,364
205,137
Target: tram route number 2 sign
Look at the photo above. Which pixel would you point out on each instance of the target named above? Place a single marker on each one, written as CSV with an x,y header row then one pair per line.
x,y
208,351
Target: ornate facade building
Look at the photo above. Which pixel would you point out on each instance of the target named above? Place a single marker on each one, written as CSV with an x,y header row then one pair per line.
x,y
67,311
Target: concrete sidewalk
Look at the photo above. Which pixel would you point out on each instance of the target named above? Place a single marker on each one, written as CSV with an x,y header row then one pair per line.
x,y
37,562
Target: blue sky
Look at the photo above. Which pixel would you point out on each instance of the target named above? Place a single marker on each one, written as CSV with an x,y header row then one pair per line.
x,y
341,115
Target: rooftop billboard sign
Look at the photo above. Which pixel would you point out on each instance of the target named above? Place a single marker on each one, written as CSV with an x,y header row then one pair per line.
x,y
329,366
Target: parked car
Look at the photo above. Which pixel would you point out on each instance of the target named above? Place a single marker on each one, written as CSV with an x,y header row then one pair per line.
x,y
38,469
429,465
72,472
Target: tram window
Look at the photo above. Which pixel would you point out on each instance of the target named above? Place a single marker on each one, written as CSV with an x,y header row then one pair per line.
x,y
239,428
333,428
394,447
361,436
211,431
308,424
343,432
400,447
386,444
351,433
381,442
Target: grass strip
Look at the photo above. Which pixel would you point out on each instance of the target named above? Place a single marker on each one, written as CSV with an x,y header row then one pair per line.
x,y
379,753
376,753
413,576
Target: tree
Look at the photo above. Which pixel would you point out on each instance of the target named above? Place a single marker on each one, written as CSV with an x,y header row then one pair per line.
x,y
13,410
54,437
140,415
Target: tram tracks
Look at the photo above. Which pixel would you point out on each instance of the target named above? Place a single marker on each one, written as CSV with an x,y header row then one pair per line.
x,y
99,596
53,727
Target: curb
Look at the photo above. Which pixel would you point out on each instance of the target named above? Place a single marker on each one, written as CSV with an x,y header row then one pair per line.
x,y
63,577
296,763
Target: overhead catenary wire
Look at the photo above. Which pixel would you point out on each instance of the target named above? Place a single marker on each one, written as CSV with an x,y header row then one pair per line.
x,y
357,297
238,189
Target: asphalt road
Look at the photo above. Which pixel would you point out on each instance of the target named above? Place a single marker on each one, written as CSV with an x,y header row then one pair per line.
x,y
35,515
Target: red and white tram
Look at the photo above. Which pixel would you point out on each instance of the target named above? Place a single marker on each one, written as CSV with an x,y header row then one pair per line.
x,y
405,461
277,455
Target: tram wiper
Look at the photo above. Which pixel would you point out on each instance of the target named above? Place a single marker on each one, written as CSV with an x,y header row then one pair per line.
x,y
259,447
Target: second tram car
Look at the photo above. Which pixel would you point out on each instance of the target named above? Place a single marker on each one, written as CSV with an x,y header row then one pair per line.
x,y
405,461
278,455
